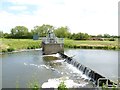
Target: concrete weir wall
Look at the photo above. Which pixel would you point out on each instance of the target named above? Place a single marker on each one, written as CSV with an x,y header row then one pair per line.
x,y
52,48
94,76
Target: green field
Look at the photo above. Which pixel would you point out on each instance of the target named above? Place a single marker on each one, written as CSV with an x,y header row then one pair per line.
x,y
18,44
92,43
88,44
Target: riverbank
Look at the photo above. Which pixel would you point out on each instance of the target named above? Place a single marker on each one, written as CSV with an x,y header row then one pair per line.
x,y
90,44
9,45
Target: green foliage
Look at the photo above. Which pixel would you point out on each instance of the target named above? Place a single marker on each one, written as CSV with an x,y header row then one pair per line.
x,y
99,36
10,49
6,35
80,36
42,30
32,47
106,36
4,50
62,32
104,87
69,44
35,87
62,86
33,84
111,39
19,31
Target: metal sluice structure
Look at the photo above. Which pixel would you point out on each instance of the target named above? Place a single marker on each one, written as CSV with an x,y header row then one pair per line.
x,y
51,44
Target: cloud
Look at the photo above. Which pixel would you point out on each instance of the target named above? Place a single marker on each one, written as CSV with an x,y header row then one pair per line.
x,y
90,16
18,8
35,2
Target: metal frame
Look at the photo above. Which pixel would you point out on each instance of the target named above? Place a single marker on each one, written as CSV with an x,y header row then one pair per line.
x,y
105,83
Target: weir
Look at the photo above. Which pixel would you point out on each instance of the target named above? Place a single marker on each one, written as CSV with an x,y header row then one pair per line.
x,y
96,78
52,45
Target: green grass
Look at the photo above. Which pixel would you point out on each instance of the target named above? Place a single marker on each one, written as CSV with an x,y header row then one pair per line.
x,y
87,44
17,44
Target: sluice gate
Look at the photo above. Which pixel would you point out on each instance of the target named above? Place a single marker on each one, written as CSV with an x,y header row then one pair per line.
x,y
96,78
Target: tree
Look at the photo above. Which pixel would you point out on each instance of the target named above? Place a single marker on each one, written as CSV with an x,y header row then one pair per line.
x,y
19,31
107,36
6,35
80,36
1,34
62,32
42,30
100,36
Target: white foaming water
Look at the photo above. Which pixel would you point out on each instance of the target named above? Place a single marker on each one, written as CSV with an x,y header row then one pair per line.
x,y
75,70
58,61
25,64
54,83
37,65
44,66
54,55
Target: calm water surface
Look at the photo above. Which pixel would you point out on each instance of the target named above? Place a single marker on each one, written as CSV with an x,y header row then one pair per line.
x,y
105,62
24,67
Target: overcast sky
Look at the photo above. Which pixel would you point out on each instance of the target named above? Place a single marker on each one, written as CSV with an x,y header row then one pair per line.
x,y
87,16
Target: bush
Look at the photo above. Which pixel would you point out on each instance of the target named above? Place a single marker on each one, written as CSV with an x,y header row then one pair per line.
x,y
33,47
28,47
62,86
4,50
10,49
111,39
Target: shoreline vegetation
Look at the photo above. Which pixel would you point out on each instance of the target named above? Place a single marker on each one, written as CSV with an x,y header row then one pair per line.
x,y
10,45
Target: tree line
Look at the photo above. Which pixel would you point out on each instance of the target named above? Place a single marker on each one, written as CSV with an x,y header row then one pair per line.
x,y
21,32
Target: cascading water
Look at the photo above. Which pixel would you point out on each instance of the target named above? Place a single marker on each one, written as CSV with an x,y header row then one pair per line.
x,y
92,75
73,77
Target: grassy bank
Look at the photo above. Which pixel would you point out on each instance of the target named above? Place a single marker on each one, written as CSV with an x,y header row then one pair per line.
x,y
17,44
87,44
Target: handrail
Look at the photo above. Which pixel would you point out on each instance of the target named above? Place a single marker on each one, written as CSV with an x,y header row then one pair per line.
x,y
107,84
55,40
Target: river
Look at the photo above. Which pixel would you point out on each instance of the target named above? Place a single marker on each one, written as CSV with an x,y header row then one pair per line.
x,y
22,68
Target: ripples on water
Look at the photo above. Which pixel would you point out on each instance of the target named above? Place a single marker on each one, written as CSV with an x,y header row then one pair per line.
x,y
31,65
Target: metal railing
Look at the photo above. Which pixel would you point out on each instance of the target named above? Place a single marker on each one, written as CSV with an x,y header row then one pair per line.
x,y
53,40
106,82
